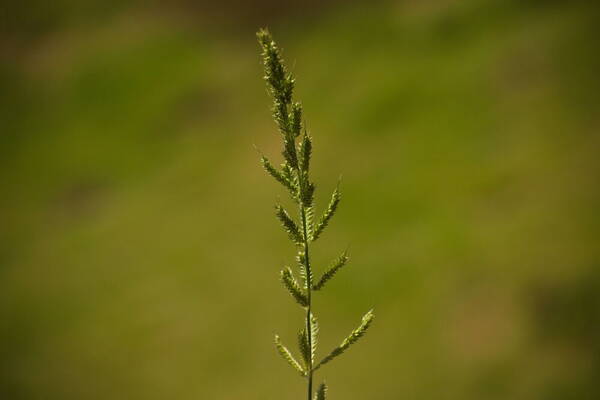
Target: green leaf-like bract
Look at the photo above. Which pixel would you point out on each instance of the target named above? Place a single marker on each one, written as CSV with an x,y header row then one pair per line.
x,y
321,392
287,356
356,334
288,224
337,264
327,215
290,283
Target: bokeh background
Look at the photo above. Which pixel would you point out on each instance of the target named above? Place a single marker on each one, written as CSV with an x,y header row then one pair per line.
x,y
139,254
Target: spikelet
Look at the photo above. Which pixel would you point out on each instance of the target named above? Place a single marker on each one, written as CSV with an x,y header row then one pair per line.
x,y
289,151
289,282
281,86
356,334
307,188
310,221
321,392
289,174
304,348
335,266
305,272
305,152
307,191
327,215
296,119
288,224
308,347
314,335
280,176
287,356
279,81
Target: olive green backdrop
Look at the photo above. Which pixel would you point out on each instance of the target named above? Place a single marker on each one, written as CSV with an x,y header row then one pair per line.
x,y
139,253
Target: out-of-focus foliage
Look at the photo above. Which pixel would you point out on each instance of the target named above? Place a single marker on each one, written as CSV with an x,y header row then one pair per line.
x,y
134,257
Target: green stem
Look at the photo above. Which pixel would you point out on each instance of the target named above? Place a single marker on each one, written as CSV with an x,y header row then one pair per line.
x,y
308,288
308,296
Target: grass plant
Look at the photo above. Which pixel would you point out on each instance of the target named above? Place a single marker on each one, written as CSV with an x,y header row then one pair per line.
x,y
294,175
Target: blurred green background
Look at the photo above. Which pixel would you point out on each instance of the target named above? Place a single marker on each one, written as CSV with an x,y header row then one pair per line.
x,y
139,254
